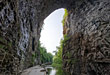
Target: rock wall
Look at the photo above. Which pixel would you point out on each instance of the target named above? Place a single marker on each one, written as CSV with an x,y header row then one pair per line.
x,y
20,26
86,52
19,34
9,37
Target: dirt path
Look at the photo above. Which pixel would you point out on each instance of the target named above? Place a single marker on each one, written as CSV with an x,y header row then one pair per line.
x,y
34,71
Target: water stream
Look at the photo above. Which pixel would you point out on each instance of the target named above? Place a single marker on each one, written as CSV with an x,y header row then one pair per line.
x,y
51,71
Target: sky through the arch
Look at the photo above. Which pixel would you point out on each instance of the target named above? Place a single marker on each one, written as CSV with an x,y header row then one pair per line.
x,y
52,31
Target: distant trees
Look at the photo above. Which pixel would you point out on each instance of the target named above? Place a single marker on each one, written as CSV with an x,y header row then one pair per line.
x,y
57,60
44,56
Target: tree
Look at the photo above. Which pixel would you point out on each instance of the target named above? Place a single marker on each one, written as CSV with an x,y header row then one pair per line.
x,y
44,56
57,59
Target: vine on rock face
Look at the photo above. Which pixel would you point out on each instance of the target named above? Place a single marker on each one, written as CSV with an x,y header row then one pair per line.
x,y
64,17
57,59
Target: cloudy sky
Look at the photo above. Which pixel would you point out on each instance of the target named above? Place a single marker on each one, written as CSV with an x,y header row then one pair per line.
x,y
52,30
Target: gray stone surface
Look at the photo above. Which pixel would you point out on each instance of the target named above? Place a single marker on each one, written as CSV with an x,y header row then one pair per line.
x,y
36,70
87,52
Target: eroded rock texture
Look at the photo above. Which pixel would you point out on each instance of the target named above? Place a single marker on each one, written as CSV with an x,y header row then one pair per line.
x,y
19,34
20,26
87,52
9,37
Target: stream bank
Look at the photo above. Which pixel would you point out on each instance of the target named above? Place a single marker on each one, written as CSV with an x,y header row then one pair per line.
x,y
39,70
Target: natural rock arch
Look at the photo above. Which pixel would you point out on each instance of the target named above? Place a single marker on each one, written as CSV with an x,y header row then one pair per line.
x,y
88,25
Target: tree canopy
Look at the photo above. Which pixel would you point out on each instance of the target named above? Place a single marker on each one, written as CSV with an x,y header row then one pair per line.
x,y
45,57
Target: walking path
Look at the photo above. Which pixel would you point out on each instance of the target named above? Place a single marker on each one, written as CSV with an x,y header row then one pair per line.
x,y
34,71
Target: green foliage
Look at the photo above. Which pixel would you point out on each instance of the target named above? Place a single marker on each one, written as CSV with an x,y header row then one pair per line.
x,y
64,17
34,56
57,60
65,38
68,54
44,56
49,71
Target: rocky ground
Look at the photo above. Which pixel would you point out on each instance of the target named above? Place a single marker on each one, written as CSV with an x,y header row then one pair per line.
x,y
37,70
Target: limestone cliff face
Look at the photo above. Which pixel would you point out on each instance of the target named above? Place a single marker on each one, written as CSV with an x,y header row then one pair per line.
x,y
9,36
19,34
87,52
20,26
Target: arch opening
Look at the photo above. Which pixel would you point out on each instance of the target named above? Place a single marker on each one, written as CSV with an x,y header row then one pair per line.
x,y
51,35
52,30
